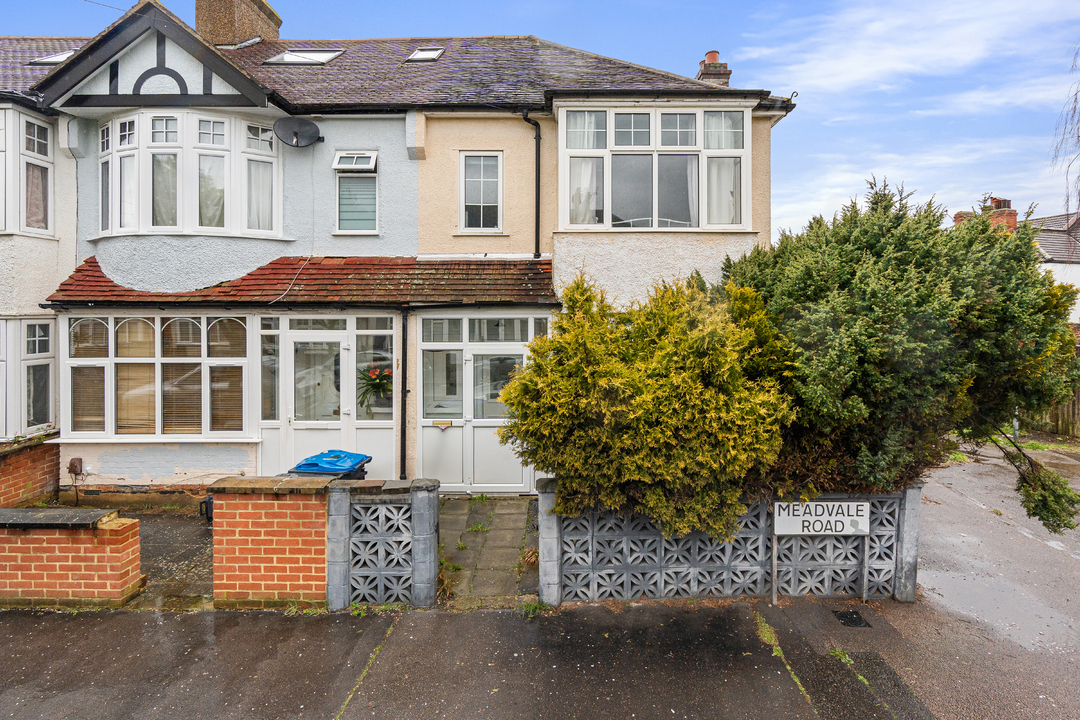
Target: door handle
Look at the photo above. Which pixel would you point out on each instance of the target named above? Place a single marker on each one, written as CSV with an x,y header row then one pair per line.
x,y
346,411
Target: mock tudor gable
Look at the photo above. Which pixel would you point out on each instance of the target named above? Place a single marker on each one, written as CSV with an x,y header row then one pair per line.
x,y
149,58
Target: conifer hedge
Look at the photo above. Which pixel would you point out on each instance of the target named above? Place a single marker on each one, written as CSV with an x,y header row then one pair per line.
x,y
845,359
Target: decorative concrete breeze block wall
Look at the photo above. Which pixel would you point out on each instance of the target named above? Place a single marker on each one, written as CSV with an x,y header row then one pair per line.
x,y
606,556
29,470
383,543
68,557
269,540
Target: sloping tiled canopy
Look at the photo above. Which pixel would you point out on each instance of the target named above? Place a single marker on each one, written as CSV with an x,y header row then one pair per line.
x,y
341,280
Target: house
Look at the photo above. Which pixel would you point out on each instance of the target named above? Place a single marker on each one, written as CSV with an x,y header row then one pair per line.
x,y
37,233
1059,243
290,246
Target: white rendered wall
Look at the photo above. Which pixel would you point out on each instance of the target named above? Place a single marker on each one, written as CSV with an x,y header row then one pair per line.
x,y
1067,273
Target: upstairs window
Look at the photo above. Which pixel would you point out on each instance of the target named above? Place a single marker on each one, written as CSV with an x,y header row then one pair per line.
x,y
37,139
426,54
191,172
481,192
164,130
357,192
36,175
260,138
305,56
654,169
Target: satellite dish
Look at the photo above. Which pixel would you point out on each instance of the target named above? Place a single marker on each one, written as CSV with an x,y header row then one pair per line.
x,y
297,132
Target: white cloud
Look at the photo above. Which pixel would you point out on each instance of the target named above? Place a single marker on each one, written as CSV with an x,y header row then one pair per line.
x,y
1048,93
955,175
879,44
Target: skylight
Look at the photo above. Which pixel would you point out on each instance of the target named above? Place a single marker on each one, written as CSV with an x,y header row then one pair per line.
x,y
305,56
426,54
52,59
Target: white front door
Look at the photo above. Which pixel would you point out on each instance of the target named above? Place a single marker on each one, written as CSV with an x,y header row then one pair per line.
x,y
464,363
336,385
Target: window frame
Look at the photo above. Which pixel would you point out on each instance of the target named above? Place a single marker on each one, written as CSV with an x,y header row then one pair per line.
x,y
337,203
188,151
655,149
462,229
46,161
111,362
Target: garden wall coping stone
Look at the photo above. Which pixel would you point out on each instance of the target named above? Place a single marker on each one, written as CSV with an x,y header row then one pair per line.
x,y
55,518
295,485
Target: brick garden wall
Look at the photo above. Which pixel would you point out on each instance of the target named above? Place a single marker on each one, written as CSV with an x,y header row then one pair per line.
x,y
28,471
91,566
269,549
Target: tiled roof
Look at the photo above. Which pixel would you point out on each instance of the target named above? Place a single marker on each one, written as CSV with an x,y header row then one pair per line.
x,y
1059,237
15,52
498,70
352,280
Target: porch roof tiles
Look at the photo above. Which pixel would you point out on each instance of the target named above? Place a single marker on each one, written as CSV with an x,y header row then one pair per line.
x,y
340,280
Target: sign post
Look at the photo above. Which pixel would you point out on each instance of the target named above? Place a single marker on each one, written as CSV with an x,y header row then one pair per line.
x,y
822,518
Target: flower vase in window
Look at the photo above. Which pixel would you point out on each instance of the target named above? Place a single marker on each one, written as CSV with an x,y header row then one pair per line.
x,y
374,391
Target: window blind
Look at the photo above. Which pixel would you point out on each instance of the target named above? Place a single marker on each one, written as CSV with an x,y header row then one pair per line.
x,y
135,398
88,399
181,398
356,203
226,337
89,338
226,398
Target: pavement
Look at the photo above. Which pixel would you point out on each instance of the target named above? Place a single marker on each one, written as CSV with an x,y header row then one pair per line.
x,y
994,634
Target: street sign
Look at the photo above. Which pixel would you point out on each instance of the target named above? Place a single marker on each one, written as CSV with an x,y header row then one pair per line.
x,y
822,518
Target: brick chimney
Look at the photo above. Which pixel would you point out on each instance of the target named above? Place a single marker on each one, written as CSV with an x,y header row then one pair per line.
x,y
1001,213
229,22
713,71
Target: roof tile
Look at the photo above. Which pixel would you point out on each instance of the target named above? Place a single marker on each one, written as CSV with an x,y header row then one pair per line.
x,y
352,280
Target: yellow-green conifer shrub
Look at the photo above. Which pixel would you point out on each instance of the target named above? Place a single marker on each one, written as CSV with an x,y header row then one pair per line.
x,y
667,409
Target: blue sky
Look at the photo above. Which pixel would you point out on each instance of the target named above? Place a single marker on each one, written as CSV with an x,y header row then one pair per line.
x,y
954,98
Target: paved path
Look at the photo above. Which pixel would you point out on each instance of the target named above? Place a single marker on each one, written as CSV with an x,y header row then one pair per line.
x,y
482,541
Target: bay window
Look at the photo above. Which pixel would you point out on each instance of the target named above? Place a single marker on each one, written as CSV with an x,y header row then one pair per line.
x,y
188,173
651,168
170,375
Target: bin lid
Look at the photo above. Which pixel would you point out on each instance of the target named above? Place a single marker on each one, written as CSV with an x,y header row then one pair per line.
x,y
332,461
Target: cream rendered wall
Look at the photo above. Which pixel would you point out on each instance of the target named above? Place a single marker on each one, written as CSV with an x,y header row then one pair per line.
x,y
761,171
443,137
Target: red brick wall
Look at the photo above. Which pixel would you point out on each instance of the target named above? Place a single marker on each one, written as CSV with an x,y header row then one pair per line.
x,y
70,567
269,549
28,471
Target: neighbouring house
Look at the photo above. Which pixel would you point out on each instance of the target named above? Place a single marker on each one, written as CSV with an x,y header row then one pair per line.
x,y
1059,243
245,298
37,233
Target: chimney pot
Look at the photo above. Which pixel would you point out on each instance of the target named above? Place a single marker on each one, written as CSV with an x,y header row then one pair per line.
x,y
713,56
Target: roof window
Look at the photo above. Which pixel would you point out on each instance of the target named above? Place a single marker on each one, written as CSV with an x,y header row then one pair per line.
x,y
426,54
305,56
52,59
356,160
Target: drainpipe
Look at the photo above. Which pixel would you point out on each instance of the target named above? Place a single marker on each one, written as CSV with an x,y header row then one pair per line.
x,y
404,379
535,124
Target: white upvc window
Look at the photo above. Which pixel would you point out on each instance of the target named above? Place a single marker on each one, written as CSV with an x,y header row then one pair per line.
x,y
189,172
635,167
174,375
36,176
480,183
38,369
357,193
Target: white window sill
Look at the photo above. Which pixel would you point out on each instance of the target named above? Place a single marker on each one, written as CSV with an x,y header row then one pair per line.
x,y
29,232
716,229
156,440
355,233
480,233
133,232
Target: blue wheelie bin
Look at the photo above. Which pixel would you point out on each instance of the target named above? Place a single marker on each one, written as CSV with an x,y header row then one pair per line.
x,y
337,463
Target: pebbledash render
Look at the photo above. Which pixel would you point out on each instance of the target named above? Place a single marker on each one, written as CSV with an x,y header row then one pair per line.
x,y
244,298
